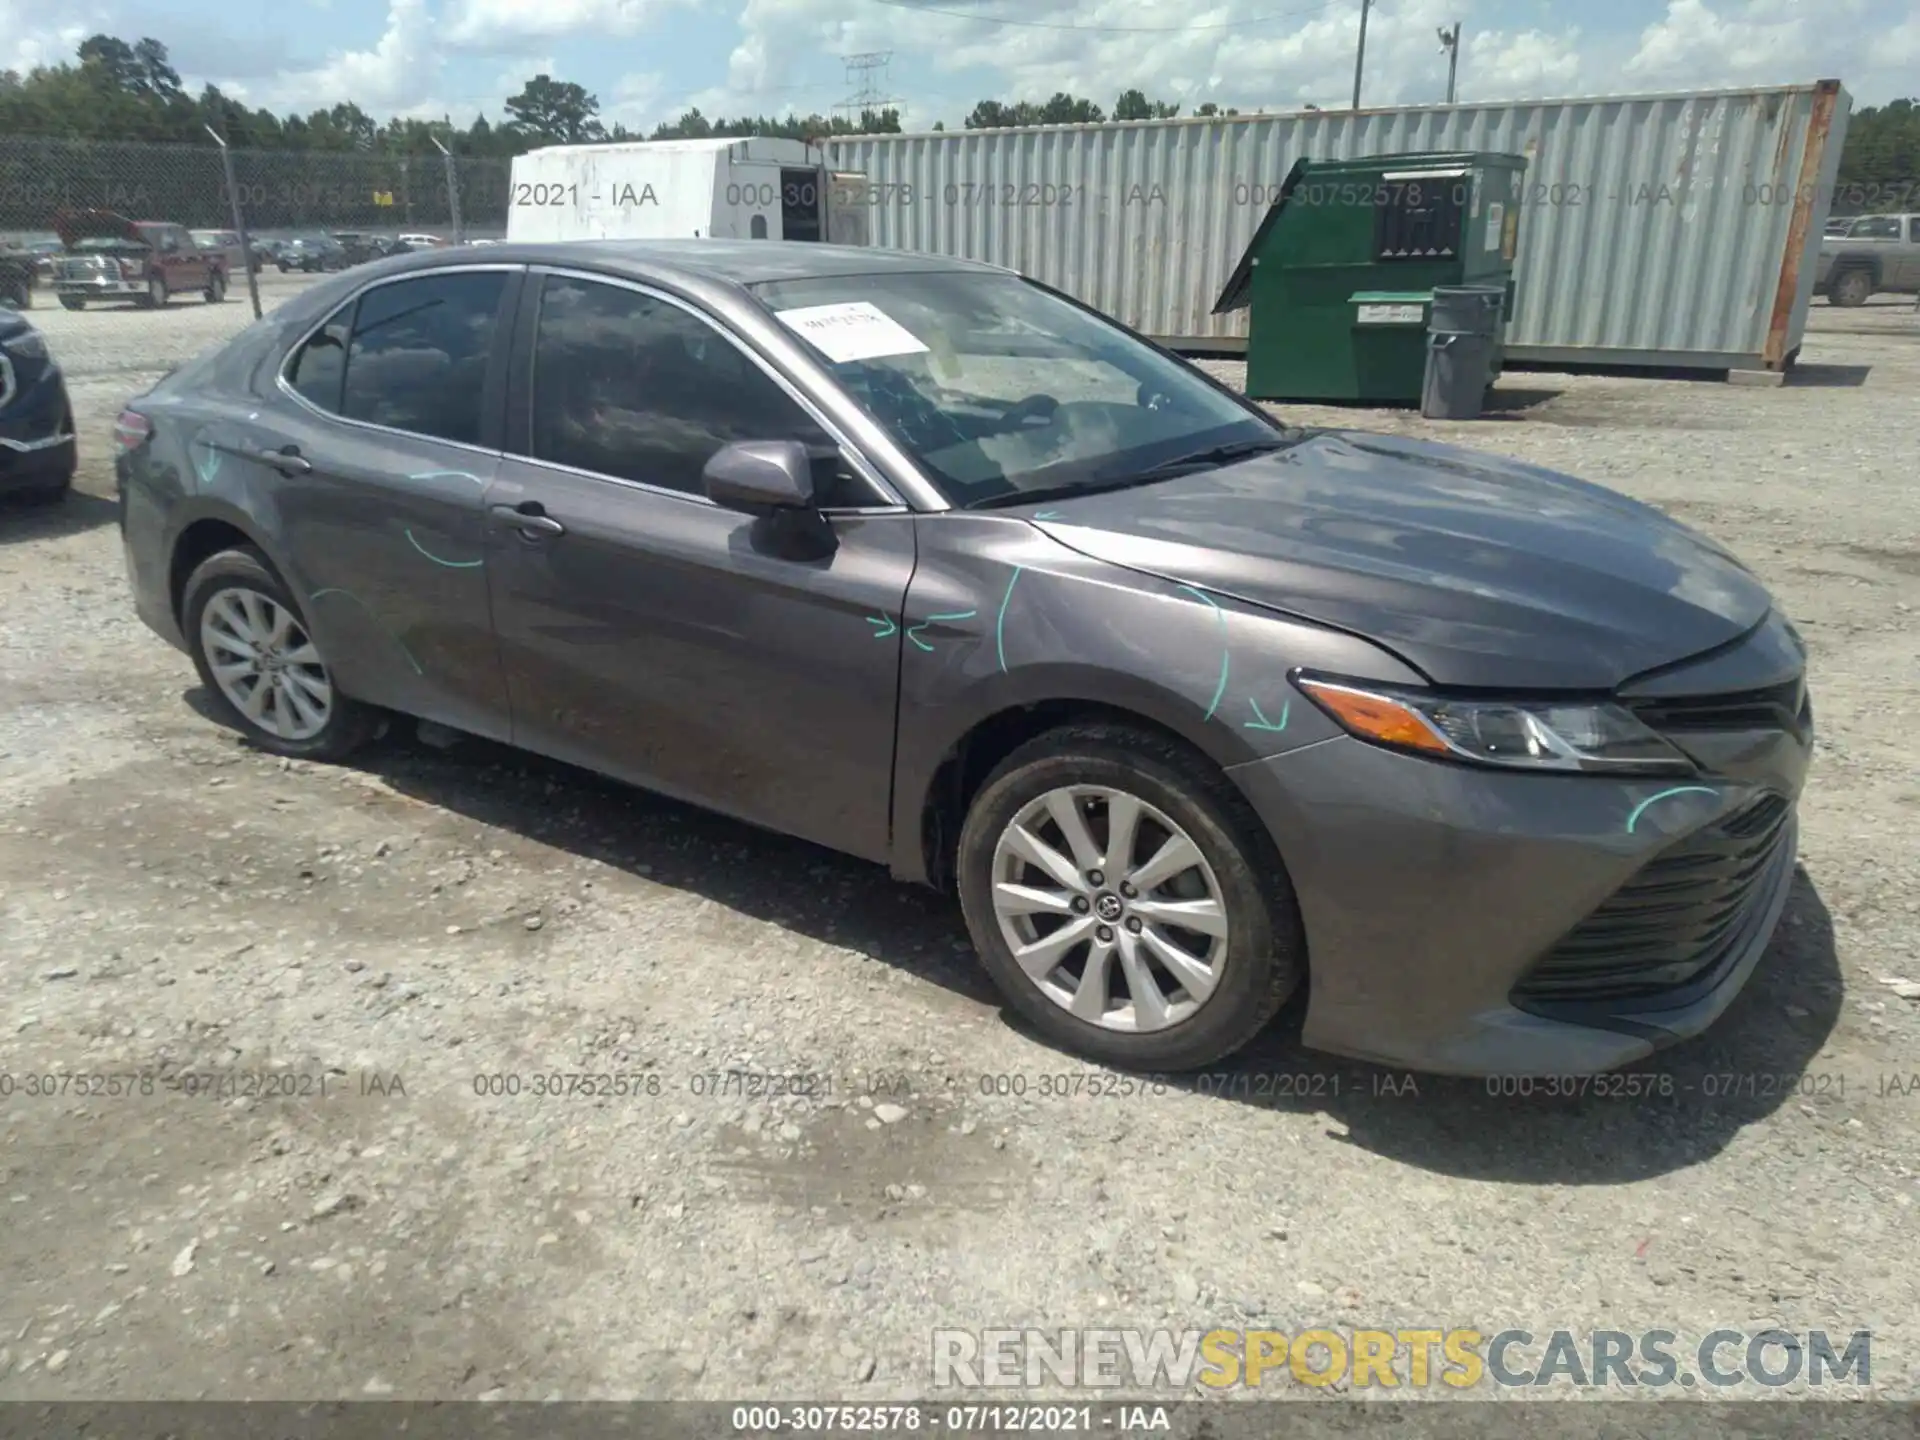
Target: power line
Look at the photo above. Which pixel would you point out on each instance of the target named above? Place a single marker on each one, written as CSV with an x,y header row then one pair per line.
x,y
1107,29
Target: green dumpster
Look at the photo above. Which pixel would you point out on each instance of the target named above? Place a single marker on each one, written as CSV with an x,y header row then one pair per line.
x,y
1339,278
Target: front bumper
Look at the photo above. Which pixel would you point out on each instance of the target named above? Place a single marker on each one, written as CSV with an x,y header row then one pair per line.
x,y
99,287
1432,893
36,429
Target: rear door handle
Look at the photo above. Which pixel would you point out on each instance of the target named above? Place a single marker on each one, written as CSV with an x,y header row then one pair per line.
x,y
288,461
529,518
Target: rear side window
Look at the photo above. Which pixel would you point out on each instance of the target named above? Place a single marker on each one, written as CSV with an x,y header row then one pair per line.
x,y
1877,227
414,358
319,367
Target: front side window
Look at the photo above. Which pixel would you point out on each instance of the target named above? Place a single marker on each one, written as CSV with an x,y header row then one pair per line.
x,y
999,389
631,386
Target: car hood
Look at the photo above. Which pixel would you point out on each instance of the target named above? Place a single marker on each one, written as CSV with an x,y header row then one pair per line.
x,y
77,225
1477,570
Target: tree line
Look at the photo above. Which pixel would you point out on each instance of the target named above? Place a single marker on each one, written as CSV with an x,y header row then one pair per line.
x,y
116,90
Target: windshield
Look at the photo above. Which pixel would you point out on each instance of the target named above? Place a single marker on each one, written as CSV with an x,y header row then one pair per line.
x,y
104,242
1000,390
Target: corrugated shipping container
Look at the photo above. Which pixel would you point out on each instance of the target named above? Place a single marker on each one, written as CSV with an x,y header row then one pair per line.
x,y
1673,230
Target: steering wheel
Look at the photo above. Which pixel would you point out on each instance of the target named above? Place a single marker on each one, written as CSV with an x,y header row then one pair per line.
x,y
1033,408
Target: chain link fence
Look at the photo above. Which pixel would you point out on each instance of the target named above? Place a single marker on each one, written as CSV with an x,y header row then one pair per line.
x,y
281,195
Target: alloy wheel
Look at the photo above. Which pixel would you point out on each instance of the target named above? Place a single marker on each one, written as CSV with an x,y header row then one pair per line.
x,y
265,664
1110,908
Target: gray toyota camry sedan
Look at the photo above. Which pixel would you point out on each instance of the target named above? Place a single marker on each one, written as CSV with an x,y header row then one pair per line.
x,y
928,563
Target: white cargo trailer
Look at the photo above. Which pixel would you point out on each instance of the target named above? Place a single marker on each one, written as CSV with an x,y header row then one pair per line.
x,y
756,188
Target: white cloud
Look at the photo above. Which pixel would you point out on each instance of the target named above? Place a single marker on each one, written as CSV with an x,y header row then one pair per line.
x,y
1703,43
394,76
494,24
27,38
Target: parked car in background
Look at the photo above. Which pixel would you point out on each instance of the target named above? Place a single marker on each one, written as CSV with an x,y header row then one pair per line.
x,y
919,560
19,275
423,242
226,244
311,255
359,247
1873,254
267,252
144,262
37,446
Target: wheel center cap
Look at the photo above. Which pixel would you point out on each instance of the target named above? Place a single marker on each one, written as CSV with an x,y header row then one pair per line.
x,y
1109,906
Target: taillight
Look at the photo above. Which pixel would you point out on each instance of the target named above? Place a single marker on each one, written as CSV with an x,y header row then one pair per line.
x,y
131,430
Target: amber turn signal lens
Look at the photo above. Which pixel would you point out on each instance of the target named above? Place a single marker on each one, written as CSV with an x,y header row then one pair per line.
x,y
1375,717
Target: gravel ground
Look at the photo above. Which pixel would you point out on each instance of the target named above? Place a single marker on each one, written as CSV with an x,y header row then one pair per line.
x,y
172,902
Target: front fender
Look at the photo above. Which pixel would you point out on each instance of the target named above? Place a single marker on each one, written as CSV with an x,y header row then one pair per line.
x,y
1000,617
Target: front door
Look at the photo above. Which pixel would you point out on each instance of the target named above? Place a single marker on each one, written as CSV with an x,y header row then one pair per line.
x,y
393,441
650,634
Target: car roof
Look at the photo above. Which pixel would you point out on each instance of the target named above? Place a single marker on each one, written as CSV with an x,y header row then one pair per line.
x,y
728,262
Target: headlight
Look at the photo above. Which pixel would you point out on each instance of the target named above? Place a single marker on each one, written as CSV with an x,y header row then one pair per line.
x,y
1510,734
31,345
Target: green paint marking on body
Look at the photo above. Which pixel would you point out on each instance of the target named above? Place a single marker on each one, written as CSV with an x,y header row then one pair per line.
x,y
1260,721
450,564
1000,624
883,626
1641,808
913,633
1226,659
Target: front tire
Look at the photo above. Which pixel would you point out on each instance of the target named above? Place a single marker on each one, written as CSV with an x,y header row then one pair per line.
x,y
72,302
1851,287
156,296
260,664
1126,900
216,287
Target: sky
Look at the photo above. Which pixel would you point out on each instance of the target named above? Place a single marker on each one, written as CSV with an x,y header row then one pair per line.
x,y
648,60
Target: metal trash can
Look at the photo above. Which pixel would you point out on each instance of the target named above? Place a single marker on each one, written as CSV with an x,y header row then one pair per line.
x,y
1463,342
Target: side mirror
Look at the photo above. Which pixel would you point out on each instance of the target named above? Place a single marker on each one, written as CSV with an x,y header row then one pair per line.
x,y
760,476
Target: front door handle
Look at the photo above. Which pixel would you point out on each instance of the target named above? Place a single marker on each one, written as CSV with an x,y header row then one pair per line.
x,y
530,518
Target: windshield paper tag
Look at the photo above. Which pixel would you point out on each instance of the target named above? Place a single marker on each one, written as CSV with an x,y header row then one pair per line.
x,y
853,331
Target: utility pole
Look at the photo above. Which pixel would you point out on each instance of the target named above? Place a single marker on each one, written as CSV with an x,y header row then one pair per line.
x,y
1360,55
1450,42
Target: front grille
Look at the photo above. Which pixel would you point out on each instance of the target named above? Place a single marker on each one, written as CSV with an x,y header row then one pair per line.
x,y
1682,917
1778,707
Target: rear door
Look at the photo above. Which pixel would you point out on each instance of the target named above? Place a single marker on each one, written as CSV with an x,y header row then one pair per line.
x,y
650,634
390,413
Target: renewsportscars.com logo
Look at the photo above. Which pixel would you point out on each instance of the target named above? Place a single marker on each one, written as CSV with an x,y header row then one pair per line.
x,y
1455,1358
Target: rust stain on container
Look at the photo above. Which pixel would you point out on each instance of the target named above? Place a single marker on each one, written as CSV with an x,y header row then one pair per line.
x,y
1819,126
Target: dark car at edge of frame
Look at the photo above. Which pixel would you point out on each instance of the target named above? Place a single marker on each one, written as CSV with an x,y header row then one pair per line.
x,y
925,562
38,452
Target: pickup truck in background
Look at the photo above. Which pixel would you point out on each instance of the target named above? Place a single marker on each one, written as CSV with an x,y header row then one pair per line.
x,y
1867,255
143,262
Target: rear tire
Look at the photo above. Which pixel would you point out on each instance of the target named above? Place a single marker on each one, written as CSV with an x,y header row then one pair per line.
x,y
241,579
156,296
72,302
1850,288
216,287
20,297
1241,977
